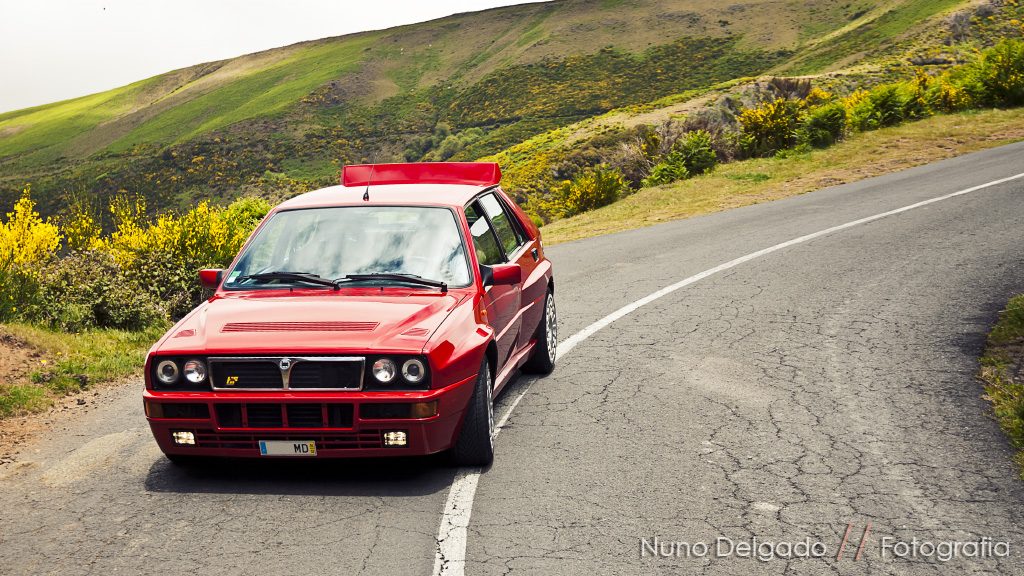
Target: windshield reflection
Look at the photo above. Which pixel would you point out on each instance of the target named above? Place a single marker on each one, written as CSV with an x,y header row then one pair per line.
x,y
335,242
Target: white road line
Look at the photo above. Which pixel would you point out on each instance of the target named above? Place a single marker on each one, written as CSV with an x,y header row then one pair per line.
x,y
450,557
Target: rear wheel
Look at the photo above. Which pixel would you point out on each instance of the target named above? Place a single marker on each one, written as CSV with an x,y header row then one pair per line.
x,y
475,445
543,359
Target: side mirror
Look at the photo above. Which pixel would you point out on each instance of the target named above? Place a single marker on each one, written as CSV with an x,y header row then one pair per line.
x,y
211,277
501,275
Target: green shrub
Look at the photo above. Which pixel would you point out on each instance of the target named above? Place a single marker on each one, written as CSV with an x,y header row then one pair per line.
x,y
19,290
883,106
692,154
696,152
823,125
89,289
592,188
668,170
996,78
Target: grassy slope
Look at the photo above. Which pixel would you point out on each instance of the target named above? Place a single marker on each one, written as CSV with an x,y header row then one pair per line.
x,y
878,37
66,363
281,94
872,31
763,179
1003,356
260,93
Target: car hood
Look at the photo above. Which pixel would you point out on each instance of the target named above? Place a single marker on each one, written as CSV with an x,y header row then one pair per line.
x,y
322,323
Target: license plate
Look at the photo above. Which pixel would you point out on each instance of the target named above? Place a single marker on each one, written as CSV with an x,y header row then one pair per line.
x,y
287,448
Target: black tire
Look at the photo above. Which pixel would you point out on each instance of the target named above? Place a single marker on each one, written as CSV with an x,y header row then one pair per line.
x,y
475,444
542,361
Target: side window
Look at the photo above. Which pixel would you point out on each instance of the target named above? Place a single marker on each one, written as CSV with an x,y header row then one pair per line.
x,y
485,243
508,233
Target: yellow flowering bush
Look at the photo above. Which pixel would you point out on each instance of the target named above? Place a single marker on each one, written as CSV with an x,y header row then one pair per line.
x,y
770,126
25,239
142,272
81,231
948,96
26,243
996,78
162,257
592,188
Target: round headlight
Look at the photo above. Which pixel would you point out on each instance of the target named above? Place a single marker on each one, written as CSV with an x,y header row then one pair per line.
x,y
413,371
167,372
195,371
384,370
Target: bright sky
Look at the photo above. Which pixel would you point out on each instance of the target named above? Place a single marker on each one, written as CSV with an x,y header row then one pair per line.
x,y
52,50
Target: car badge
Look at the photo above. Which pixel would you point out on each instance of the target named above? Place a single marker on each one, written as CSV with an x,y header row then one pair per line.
x,y
285,364
232,380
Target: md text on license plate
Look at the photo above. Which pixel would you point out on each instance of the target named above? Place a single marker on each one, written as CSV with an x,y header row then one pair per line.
x,y
287,448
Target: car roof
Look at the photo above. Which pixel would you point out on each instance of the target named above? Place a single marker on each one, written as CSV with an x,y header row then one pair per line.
x,y
447,195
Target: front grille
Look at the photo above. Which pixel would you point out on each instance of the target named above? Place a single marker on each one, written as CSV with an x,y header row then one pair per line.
x,y
229,415
264,415
275,415
251,374
250,441
319,375
301,373
305,415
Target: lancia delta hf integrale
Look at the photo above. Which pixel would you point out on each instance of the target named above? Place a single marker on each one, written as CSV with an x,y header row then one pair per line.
x,y
376,318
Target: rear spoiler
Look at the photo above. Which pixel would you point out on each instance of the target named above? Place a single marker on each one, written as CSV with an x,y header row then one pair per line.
x,y
473,173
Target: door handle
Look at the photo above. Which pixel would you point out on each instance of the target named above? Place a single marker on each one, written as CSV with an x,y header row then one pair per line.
x,y
535,254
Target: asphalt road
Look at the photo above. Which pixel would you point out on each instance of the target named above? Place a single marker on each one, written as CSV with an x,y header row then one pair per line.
x,y
824,385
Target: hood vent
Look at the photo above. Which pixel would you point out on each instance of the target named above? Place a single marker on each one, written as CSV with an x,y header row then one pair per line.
x,y
299,327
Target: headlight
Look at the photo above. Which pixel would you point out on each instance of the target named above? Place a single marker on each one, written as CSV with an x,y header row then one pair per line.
x,y
167,372
413,371
384,370
195,371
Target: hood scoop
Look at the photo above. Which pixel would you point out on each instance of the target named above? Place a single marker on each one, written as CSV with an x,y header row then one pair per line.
x,y
299,327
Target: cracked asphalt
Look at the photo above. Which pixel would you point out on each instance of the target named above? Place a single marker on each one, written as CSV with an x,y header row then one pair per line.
x,y
826,384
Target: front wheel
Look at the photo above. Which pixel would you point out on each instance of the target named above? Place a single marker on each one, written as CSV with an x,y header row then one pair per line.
x,y
545,351
475,445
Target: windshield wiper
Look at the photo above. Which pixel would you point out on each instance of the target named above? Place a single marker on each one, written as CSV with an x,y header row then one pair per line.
x,y
410,278
290,276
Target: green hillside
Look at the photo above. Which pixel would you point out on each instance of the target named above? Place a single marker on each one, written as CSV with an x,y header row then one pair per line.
x,y
462,87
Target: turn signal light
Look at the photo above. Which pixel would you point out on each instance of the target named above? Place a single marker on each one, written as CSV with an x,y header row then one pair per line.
x,y
423,409
154,410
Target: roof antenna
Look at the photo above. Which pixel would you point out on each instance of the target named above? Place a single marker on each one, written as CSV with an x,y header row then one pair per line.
x,y
366,195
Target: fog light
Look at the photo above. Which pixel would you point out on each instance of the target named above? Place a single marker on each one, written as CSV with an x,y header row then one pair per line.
x,y
395,438
423,409
184,438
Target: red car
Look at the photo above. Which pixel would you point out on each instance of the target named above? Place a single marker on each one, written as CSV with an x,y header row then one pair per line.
x,y
376,318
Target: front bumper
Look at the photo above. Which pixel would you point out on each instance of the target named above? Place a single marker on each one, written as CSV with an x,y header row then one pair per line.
x,y
343,424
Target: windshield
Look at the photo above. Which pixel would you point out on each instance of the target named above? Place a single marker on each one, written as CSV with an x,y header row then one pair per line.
x,y
336,242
